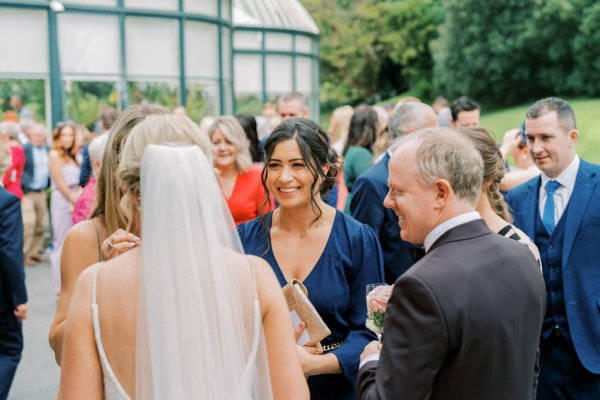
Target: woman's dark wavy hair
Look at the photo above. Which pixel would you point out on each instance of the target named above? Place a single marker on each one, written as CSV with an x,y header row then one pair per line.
x,y
363,128
248,122
313,142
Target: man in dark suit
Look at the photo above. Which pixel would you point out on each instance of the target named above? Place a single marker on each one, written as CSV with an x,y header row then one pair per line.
x,y
560,210
371,188
13,295
34,206
463,322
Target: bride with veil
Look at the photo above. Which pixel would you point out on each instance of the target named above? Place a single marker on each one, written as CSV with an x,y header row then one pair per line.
x,y
186,315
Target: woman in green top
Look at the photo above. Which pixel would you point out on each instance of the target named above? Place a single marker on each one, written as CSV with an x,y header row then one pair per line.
x,y
358,151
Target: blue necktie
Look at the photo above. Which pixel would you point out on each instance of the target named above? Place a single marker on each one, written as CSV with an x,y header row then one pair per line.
x,y
548,217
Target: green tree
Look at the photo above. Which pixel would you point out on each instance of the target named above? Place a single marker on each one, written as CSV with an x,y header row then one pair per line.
x,y
483,51
372,45
586,50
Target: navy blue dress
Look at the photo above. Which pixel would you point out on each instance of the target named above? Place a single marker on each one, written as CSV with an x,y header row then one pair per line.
x,y
336,286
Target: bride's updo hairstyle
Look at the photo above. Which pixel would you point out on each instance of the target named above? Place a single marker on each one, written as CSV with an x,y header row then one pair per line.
x,y
313,142
493,169
155,129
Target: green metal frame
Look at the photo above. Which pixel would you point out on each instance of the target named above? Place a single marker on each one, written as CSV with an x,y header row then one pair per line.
x,y
263,52
57,94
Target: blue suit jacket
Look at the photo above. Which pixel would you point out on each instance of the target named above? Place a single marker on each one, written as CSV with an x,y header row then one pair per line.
x,y
28,171
12,274
366,206
580,255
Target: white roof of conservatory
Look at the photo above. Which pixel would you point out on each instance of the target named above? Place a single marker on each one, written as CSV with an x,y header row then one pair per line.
x,y
285,14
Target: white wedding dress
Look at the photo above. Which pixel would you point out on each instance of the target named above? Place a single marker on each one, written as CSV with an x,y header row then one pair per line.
x,y
113,389
199,327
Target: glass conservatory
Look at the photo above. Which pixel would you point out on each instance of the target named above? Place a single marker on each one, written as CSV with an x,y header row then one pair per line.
x,y
70,58
275,51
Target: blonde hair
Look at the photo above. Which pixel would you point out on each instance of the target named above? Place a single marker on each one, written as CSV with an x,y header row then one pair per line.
x,y
342,115
5,158
157,129
108,193
234,132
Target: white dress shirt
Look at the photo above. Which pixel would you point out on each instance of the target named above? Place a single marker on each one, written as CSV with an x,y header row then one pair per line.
x,y
563,193
445,226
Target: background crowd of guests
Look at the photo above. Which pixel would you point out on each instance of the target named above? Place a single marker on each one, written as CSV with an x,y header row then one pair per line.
x,y
376,198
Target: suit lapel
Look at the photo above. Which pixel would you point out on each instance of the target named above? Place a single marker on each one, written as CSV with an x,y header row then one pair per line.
x,y
530,207
584,187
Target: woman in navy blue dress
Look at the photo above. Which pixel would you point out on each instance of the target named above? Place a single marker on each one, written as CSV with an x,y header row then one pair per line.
x,y
334,255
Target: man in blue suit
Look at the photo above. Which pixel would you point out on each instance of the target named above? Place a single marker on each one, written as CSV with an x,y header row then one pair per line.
x,y
371,187
35,181
561,211
13,295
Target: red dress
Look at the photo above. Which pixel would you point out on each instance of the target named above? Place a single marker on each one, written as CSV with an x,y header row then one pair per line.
x,y
247,196
12,178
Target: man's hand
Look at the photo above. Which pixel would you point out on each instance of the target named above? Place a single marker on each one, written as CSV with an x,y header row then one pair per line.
x,y
372,348
510,141
21,312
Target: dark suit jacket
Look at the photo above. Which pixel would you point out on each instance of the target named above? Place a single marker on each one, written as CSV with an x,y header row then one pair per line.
x,y
580,255
463,323
29,169
366,206
12,274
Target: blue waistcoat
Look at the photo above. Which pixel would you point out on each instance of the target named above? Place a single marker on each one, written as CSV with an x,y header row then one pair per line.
x,y
550,248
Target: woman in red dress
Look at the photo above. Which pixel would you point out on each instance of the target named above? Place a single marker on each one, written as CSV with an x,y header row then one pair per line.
x,y
12,179
239,178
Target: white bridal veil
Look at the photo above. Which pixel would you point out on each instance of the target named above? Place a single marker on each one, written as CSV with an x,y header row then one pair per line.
x,y
199,325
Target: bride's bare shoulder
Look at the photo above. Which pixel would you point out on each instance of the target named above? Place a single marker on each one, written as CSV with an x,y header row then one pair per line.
x,y
121,268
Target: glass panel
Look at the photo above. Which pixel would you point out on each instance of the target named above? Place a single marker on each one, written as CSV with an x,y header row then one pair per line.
x,y
202,99
89,43
304,75
226,10
26,52
171,5
85,100
33,96
279,41
247,40
152,46
304,44
248,74
107,3
226,51
163,93
201,50
251,104
206,7
279,74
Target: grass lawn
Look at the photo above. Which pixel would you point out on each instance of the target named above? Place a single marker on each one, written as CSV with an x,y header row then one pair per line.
x,y
587,112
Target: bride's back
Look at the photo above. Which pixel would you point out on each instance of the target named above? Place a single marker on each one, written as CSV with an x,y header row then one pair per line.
x,y
117,296
116,291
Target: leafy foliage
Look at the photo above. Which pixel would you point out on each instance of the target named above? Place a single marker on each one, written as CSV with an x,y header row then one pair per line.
x,y
31,90
586,50
508,51
368,46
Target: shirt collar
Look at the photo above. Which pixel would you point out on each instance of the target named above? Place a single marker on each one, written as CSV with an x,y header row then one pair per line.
x,y
567,177
445,226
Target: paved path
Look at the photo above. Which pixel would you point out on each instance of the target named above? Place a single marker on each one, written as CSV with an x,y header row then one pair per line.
x,y
37,375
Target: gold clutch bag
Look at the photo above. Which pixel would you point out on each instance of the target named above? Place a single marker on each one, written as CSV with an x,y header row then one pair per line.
x,y
296,296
